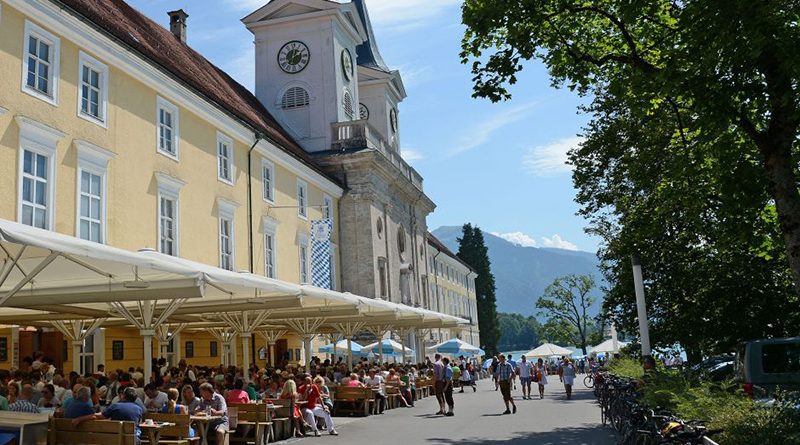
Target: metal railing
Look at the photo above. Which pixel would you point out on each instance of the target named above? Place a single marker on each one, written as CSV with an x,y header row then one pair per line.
x,y
360,134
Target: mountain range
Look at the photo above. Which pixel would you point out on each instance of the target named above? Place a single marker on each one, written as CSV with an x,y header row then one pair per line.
x,y
522,273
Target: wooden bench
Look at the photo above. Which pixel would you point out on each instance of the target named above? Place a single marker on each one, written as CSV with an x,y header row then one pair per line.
x,y
348,398
177,434
282,423
91,432
257,417
392,395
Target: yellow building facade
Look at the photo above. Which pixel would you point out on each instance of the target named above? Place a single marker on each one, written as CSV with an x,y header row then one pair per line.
x,y
452,290
100,143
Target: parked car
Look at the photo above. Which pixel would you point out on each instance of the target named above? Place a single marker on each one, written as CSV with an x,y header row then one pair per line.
x,y
716,368
764,366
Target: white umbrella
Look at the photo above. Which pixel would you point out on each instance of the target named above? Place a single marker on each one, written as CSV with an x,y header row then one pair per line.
x,y
389,347
608,346
548,350
455,347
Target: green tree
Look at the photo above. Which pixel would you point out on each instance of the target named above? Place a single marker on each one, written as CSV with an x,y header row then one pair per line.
x,y
728,68
518,332
566,303
472,250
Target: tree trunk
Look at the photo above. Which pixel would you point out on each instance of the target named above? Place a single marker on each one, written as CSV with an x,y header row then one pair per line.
x,y
783,187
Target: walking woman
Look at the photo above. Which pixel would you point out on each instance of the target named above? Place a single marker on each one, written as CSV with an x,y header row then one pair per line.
x,y
568,375
541,376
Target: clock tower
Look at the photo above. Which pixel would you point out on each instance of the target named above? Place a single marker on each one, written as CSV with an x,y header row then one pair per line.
x,y
305,65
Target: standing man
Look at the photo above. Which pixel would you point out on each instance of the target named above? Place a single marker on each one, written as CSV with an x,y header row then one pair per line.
x,y
448,387
525,370
505,374
513,364
438,381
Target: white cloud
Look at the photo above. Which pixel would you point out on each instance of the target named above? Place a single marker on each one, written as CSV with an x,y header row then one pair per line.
x,y
558,243
481,133
246,5
411,155
242,67
550,159
517,238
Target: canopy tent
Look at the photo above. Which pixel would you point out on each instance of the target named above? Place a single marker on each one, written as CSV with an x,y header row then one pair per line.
x,y
608,347
547,350
455,347
341,348
389,347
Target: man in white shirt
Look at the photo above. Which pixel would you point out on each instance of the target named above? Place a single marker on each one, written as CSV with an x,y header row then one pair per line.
x,y
155,399
525,372
375,381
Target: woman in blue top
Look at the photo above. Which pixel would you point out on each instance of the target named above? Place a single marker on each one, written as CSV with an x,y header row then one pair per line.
x,y
173,407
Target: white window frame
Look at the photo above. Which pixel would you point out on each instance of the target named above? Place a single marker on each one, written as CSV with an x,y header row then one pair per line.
x,y
302,199
303,255
270,229
169,188
327,209
92,63
226,211
94,160
31,29
40,139
268,188
163,104
223,139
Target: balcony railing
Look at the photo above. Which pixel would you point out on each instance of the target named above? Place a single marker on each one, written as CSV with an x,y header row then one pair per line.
x,y
360,134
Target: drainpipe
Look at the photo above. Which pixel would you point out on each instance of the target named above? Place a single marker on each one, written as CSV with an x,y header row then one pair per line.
x,y
258,137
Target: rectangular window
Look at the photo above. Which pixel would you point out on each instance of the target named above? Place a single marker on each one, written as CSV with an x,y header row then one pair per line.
x,y
168,227
224,158
382,277
781,358
226,243
268,180
302,199
213,349
3,349
269,255
40,67
92,88
303,263
168,128
117,350
91,207
332,268
36,194
189,349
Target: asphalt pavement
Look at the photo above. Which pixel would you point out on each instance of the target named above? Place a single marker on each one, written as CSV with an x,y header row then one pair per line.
x,y
478,420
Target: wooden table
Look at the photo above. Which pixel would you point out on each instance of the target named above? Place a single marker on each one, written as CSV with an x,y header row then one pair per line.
x,y
153,430
203,423
32,427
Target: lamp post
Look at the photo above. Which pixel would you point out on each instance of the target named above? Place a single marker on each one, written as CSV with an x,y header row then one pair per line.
x,y
641,309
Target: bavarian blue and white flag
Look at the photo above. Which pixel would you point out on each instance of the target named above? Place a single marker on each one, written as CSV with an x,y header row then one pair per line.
x,y
321,253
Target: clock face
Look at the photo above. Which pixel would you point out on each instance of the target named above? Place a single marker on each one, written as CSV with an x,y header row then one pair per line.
x,y
347,64
393,120
363,112
293,57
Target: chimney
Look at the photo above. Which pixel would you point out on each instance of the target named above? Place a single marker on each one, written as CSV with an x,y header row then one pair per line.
x,y
177,24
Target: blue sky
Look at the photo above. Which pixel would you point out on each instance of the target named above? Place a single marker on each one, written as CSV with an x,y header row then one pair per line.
x,y
497,165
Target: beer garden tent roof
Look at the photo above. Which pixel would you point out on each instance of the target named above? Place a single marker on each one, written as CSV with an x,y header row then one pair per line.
x,y
456,347
47,276
548,350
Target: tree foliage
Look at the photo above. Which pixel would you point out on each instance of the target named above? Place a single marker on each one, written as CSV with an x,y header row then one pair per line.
x,y
472,250
726,72
690,159
566,302
518,332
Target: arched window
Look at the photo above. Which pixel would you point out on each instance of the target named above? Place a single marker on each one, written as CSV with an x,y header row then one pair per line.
x,y
294,97
347,104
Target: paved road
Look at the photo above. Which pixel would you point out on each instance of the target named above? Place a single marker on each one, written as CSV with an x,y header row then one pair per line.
x,y
551,421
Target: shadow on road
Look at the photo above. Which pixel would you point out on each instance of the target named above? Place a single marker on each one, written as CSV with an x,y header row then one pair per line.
x,y
560,436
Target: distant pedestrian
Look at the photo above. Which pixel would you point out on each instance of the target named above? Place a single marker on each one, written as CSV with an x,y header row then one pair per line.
x,y
568,376
505,375
438,382
493,368
466,376
513,364
525,369
541,376
448,387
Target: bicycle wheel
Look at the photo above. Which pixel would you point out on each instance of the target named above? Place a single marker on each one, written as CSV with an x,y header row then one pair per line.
x,y
588,381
